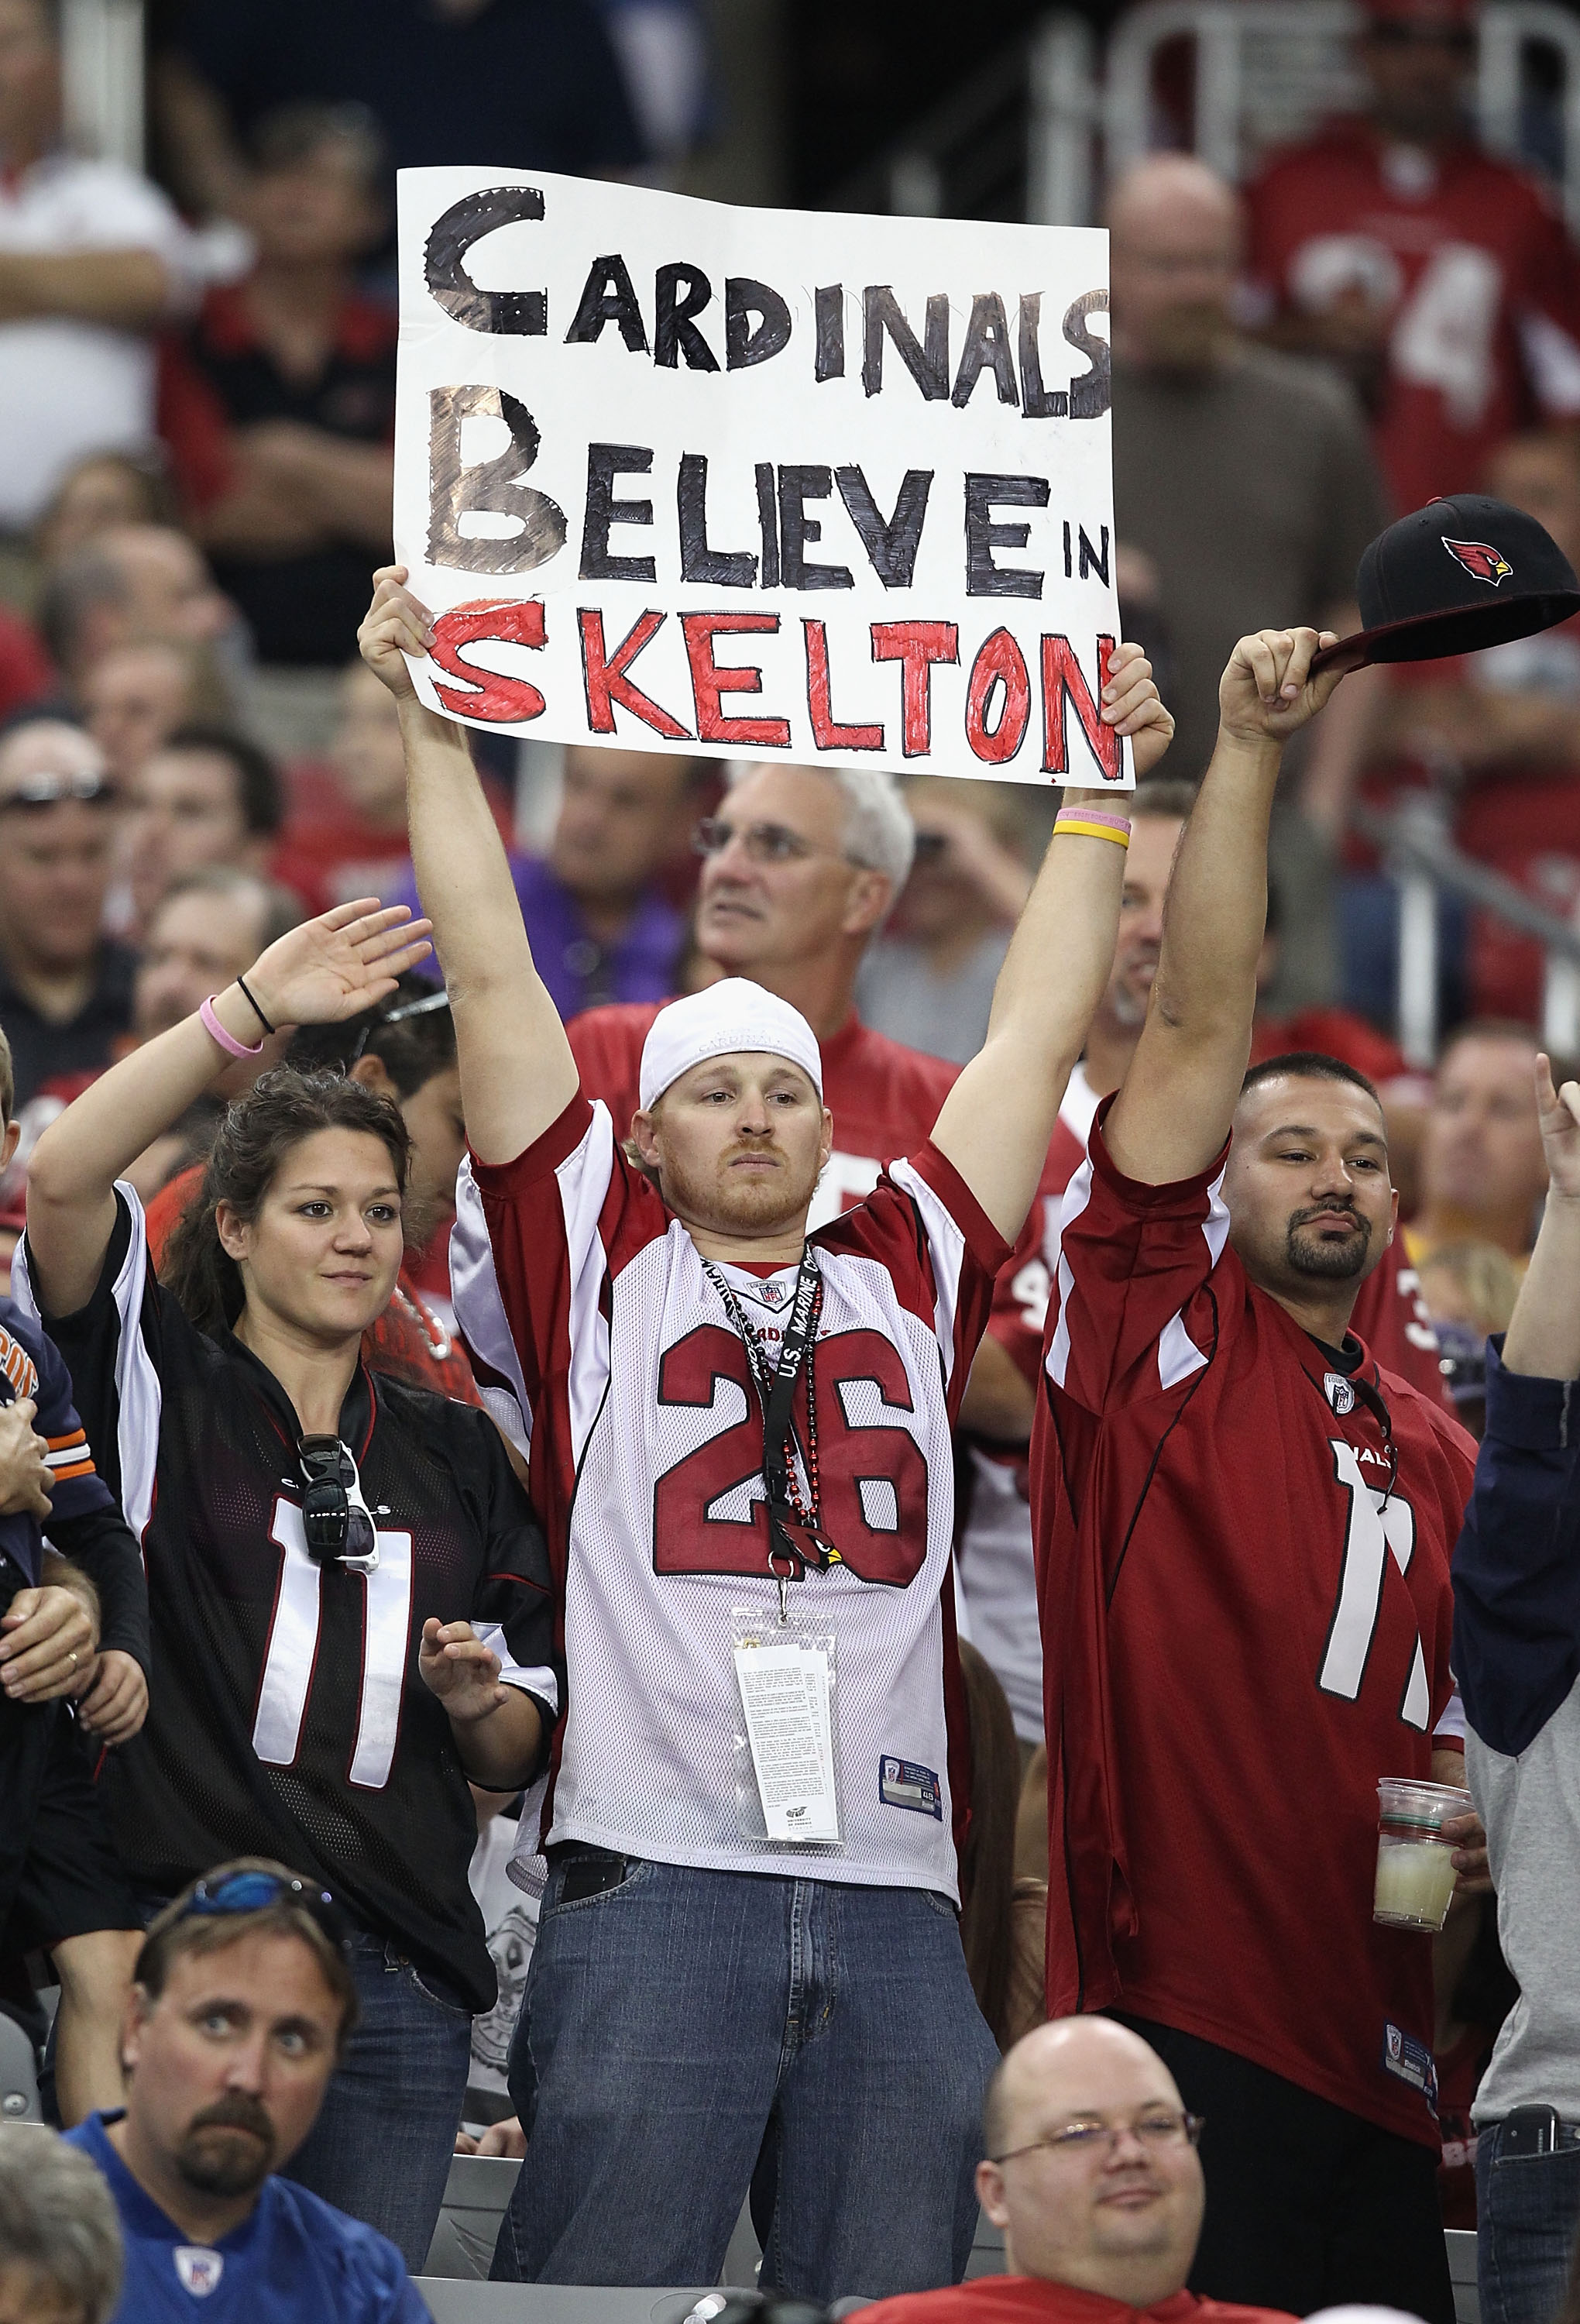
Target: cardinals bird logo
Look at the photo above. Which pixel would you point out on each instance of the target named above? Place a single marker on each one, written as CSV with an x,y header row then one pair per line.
x,y
1480,559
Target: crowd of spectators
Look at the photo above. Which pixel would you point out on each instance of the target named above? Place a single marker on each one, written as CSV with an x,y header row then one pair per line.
x,y
198,771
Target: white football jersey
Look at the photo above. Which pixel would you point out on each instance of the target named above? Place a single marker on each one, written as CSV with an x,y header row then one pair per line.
x,y
592,1315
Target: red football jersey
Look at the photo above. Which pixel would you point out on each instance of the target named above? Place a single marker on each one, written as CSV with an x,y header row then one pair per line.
x,y
884,1097
1468,261
581,1291
1390,1315
1031,2300
1243,1556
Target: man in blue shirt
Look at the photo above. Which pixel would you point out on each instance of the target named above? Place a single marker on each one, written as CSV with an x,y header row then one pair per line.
x,y
242,2000
1517,1657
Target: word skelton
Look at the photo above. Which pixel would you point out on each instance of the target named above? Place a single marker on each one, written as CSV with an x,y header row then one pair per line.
x,y
659,428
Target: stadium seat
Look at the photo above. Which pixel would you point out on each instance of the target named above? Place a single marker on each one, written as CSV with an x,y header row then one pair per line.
x,y
18,2083
450,2302
1461,2242
475,2195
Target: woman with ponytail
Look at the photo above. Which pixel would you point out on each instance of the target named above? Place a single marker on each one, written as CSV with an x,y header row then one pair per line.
x,y
349,1598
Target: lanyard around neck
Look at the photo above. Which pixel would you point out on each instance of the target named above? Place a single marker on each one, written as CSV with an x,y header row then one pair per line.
x,y
794,1540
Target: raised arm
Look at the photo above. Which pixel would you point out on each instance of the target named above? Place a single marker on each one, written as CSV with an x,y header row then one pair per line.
x,y
998,1118
1173,1111
518,1075
1543,1339
327,970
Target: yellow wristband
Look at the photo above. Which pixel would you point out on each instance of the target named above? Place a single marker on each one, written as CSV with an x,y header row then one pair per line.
x,y
1082,830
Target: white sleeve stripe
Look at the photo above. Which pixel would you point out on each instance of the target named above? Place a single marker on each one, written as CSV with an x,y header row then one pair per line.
x,y
480,1312
947,1246
583,1182
138,1393
540,1682
1451,1722
1553,359
1077,1195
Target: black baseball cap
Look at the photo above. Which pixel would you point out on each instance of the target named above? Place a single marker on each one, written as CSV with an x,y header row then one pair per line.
x,y
1453,577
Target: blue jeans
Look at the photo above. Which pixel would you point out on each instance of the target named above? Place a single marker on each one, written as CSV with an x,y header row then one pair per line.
x,y
678,2021
1527,2214
381,2145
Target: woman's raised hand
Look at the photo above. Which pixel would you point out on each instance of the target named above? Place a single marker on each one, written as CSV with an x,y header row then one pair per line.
x,y
338,964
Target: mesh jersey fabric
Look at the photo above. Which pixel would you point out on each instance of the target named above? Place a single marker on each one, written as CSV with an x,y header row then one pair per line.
x,y
1465,260
287,1717
647,1448
1253,1626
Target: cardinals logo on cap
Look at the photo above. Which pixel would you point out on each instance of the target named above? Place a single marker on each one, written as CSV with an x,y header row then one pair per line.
x,y
1480,559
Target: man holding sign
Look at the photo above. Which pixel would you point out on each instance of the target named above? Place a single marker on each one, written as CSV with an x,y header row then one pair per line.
x,y
740,1448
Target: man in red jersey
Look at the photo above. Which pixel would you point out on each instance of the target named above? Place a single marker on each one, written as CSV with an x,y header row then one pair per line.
x,y
996,1570
1092,2173
1244,1528
1440,277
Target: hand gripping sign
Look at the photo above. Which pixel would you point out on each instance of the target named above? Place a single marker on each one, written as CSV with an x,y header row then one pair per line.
x,y
755,483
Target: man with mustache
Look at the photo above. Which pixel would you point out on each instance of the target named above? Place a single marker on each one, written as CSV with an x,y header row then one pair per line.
x,y
1244,1526
242,1999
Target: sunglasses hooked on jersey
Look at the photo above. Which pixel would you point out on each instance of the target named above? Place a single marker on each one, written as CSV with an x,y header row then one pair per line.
x,y
254,1891
336,1521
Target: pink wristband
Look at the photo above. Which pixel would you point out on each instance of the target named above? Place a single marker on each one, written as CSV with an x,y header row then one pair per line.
x,y
216,1032
1120,822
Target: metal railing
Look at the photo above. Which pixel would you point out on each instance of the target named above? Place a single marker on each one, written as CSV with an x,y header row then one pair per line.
x,y
1034,134
102,68
1425,865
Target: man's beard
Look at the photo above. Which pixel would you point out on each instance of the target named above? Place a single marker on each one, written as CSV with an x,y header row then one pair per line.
x,y
748,1204
217,2165
1336,1262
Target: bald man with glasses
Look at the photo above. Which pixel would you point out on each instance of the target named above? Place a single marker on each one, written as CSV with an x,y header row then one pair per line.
x,y
1093,2174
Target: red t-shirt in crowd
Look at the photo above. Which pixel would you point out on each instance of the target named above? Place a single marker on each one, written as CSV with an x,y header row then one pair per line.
x,y
1468,260
334,860
27,674
409,1342
884,1097
1242,1555
1029,2299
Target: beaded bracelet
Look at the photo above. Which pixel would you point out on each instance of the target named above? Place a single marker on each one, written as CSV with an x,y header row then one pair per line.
x,y
1092,822
216,1032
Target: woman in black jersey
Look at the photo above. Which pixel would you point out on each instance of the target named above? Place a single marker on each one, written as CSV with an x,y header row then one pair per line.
x,y
349,1598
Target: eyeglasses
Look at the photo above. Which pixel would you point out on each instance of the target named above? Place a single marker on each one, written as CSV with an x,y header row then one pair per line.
x,y
423,1008
765,843
335,1520
254,1891
48,790
1157,2131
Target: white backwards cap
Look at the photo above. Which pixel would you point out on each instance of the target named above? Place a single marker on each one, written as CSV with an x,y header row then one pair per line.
x,y
731,1015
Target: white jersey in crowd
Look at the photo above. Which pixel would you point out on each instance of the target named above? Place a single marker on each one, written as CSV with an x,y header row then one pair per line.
x,y
590,1312
69,388
997,1571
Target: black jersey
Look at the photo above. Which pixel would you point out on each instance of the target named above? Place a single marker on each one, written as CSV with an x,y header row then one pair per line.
x,y
287,1716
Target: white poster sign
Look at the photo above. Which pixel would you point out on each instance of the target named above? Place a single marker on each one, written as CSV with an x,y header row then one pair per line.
x,y
739,483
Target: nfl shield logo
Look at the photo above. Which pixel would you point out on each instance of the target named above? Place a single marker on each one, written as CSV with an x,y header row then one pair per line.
x,y
198,2268
772,1293
1341,1396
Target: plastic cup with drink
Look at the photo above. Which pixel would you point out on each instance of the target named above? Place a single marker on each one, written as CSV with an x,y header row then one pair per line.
x,y
1415,1864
